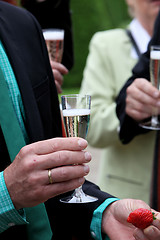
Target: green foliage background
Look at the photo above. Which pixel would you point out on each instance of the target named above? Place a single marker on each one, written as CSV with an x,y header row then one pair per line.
x,y
88,17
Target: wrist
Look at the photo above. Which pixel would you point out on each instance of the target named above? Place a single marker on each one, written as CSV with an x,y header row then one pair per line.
x,y
107,218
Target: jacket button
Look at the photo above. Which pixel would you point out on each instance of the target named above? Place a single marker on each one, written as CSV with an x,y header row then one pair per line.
x,y
11,224
93,234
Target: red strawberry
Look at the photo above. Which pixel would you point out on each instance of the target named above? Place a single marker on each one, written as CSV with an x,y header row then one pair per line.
x,y
141,218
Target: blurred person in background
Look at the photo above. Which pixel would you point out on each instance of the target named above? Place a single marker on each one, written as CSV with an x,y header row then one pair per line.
x,y
125,170
135,104
55,14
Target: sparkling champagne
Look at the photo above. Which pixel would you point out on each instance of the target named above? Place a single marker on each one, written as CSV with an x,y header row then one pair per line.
x,y
76,122
155,68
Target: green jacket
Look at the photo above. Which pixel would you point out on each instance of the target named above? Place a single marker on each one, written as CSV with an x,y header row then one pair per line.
x,y
125,170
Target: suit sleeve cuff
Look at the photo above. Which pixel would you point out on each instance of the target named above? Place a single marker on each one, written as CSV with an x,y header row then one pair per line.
x,y
96,223
9,216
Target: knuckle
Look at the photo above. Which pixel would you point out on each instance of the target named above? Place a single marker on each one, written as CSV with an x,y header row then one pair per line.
x,y
26,150
61,157
23,151
55,145
127,100
63,173
128,90
139,82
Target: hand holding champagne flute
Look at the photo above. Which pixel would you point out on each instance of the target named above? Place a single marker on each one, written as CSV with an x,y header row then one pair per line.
x,y
154,123
76,115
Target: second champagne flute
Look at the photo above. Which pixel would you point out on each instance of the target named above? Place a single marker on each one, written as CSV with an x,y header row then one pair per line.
x,y
154,123
76,116
54,40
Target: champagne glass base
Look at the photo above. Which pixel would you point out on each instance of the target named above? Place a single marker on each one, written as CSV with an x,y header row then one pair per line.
x,y
79,198
149,125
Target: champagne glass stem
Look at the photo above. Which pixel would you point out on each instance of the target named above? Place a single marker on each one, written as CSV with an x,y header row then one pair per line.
x,y
154,120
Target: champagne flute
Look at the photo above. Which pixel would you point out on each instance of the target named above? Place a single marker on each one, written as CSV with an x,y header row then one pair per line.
x,y
76,116
54,40
154,123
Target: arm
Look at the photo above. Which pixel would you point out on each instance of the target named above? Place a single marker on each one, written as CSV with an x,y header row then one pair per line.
x,y
29,171
107,217
75,218
128,126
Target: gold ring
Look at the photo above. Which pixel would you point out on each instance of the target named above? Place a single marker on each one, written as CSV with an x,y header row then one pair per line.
x,y
49,176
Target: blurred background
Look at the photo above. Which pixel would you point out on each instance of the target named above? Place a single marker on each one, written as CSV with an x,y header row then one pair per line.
x,y
89,17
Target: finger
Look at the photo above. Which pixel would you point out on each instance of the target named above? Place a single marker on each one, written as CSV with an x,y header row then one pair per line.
x,y
58,77
147,87
55,189
139,235
62,158
67,173
140,110
156,222
53,145
60,67
137,110
141,96
136,115
152,232
59,89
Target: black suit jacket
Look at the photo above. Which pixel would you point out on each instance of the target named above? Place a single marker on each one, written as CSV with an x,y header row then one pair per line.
x,y
22,38
128,127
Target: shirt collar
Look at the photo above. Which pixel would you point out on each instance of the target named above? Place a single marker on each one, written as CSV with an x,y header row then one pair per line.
x,y
140,35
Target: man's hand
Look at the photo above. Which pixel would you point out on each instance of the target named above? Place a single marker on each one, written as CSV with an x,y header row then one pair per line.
x,y
27,178
58,70
115,223
142,99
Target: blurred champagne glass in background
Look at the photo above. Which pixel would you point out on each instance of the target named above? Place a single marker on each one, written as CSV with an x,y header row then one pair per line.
x,y
54,40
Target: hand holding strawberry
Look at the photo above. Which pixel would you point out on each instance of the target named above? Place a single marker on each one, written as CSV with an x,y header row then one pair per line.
x,y
141,218
115,224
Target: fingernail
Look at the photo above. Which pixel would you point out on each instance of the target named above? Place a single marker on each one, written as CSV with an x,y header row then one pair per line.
x,y
88,156
82,143
81,180
86,169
